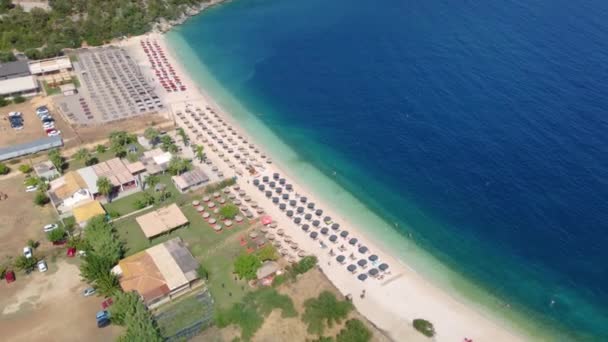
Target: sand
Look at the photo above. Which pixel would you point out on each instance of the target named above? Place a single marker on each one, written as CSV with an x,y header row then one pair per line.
x,y
391,303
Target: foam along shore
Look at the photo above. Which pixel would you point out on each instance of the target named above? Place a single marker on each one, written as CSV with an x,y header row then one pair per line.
x,y
393,297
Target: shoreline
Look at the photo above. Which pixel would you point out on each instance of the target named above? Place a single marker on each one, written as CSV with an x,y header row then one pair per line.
x,y
423,299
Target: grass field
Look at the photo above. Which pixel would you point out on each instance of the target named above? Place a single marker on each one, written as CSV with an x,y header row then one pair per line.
x,y
126,204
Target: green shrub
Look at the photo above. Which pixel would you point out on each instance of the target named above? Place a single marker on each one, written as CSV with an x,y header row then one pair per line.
x,y
25,168
4,169
202,272
324,310
304,265
41,198
56,235
354,331
18,99
229,211
246,265
425,327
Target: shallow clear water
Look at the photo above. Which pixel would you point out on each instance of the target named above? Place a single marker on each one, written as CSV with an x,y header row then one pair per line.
x,y
478,128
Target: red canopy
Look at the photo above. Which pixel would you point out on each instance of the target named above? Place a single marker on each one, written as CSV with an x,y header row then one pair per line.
x,y
266,220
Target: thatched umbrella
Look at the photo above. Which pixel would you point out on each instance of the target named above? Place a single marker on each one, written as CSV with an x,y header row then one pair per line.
x,y
212,220
200,209
270,236
196,203
211,205
253,204
273,224
253,234
294,245
206,215
206,199
244,208
217,227
260,211
237,202
284,251
301,253
277,243
226,190
264,229
228,223
247,198
238,218
231,196
222,201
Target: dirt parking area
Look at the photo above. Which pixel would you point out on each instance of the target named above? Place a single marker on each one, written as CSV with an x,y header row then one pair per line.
x,y
50,307
20,219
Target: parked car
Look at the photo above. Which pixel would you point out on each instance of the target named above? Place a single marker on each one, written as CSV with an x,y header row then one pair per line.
x,y
53,133
50,227
14,114
102,323
28,252
88,292
9,276
46,117
31,188
42,110
42,266
48,125
103,314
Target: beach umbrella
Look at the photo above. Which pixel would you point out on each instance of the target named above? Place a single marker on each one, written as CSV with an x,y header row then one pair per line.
x,y
273,225
211,205
362,262
238,218
226,190
305,227
196,203
264,229
288,187
363,249
278,190
270,236
237,201
275,200
282,181
324,230
217,228
285,196
265,179
303,199
281,232
340,258
289,213
351,268
373,272
362,276
316,223
310,205
307,217
284,251
260,211
272,184
335,226
282,206
300,210
287,238
293,203
373,257
249,214
266,220
344,233
294,245
244,208
261,187
301,253
333,238
200,209
253,204
268,194
314,235
383,267
241,193
206,199
327,219
319,212
277,243
247,198
228,223
352,241
206,215
212,220
275,176
297,220
236,188
256,182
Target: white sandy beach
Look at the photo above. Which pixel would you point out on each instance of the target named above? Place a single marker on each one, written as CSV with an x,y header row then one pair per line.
x,y
390,303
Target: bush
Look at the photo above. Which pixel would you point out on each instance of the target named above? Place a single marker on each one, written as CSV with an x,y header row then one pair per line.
x,y
246,265
18,99
229,211
425,327
279,280
41,199
23,263
304,265
24,168
325,309
354,331
113,213
4,169
202,272
3,101
100,149
211,188
69,223
267,252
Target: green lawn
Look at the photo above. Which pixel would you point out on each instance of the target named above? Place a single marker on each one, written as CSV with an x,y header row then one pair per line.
x,y
126,204
184,312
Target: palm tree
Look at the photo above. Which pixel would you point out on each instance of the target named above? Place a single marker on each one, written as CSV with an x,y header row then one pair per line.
x,y
105,187
82,154
152,135
200,155
151,181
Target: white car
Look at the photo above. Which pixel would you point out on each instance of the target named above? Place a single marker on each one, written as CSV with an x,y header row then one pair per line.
x,y
50,227
27,252
13,114
31,188
42,266
53,133
41,111
48,125
46,117
88,292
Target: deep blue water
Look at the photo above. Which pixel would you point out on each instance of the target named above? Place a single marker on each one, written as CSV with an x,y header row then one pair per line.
x,y
484,125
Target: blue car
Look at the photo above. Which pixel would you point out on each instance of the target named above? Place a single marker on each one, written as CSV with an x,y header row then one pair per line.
x,y
101,315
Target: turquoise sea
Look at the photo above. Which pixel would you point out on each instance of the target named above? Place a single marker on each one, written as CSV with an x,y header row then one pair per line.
x,y
467,137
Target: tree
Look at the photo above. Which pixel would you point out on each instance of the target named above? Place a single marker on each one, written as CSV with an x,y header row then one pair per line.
x,y
178,165
141,326
23,263
125,304
324,310
199,153
4,169
106,284
100,235
56,235
167,144
304,265
105,187
151,181
354,331
18,99
425,327
32,244
267,252
94,267
152,135
82,154
246,265
25,168
184,136
41,198
229,211
100,149
56,159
